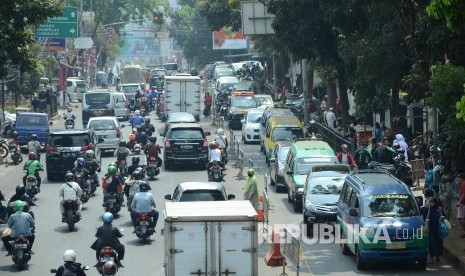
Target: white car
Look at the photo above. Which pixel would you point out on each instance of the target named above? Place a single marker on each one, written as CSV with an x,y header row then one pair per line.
x,y
251,125
264,100
75,88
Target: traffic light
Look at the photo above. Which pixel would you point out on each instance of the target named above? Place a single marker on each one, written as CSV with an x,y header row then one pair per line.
x,y
158,18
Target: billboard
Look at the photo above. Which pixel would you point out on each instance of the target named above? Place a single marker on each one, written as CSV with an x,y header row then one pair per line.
x,y
140,46
226,39
52,44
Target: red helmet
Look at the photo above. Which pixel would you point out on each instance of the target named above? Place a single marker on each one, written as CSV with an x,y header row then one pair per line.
x,y
32,155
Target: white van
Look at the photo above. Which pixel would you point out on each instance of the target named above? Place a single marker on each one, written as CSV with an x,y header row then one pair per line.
x,y
108,129
224,83
75,88
121,105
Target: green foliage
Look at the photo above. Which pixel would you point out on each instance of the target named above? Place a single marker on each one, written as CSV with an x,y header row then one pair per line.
x,y
460,108
446,85
453,11
220,13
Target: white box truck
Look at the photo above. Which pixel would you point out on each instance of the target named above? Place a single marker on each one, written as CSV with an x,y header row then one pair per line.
x,y
182,94
210,238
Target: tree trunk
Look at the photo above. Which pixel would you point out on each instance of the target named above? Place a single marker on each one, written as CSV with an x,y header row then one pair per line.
x,y
332,95
341,74
284,62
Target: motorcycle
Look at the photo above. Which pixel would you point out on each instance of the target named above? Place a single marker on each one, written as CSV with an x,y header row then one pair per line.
x,y
81,180
123,167
15,153
152,168
54,270
112,203
31,186
216,172
107,254
224,110
71,214
21,252
92,183
3,148
143,227
69,124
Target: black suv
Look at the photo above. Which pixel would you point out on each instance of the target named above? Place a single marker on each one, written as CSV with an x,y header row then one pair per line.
x,y
64,147
186,143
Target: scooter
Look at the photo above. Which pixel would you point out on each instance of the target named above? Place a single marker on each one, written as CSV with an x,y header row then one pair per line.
x,y
143,229
21,252
69,124
15,153
106,254
71,214
152,168
91,181
31,186
216,172
112,203
80,179
224,155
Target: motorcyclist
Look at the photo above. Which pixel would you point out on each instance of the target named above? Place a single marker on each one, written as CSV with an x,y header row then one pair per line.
x,y
161,81
34,145
134,165
147,127
384,152
137,120
132,141
141,137
92,165
70,267
112,184
214,155
79,165
152,149
136,174
70,191
137,149
33,167
20,195
69,114
122,152
221,139
154,92
21,224
3,209
143,202
108,235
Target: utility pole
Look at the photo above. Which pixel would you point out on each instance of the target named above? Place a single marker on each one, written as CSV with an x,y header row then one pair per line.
x,y
304,88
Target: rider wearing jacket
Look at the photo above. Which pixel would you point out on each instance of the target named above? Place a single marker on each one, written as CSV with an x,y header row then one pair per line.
x,y
21,224
69,114
122,152
143,202
132,142
147,127
107,235
137,120
92,165
214,155
34,145
70,266
70,191
152,149
112,184
33,167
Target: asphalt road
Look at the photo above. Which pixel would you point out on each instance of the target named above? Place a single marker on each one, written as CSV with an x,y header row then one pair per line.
x,y
53,237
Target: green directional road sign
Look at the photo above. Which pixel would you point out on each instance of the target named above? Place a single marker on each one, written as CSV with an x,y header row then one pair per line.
x,y
63,26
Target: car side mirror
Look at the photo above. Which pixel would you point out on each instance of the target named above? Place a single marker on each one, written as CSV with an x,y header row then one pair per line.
x,y
289,172
243,121
208,133
50,123
353,212
168,197
231,196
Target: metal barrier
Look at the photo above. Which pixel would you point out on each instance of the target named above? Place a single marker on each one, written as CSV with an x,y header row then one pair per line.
x,y
334,139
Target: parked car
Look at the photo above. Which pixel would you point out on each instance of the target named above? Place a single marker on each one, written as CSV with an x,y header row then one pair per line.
x,y
64,147
251,125
108,129
186,143
277,160
199,191
97,103
75,89
9,123
121,105
177,118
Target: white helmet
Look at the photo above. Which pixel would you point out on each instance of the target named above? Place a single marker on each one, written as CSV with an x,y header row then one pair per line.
x,y
220,131
69,256
137,112
137,147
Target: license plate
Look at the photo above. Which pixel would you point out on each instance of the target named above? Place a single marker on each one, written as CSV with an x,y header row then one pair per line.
x,y
21,246
112,200
102,136
106,259
187,147
69,154
396,245
144,223
98,112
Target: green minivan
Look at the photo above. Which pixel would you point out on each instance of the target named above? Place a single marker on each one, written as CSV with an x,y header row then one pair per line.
x,y
302,155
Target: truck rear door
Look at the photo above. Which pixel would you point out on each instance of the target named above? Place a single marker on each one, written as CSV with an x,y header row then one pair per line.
x,y
192,97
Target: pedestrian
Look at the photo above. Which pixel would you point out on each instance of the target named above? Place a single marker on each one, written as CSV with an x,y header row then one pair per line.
x,y
461,203
378,131
401,140
280,99
208,104
345,157
331,118
35,102
323,103
446,193
251,189
362,156
435,243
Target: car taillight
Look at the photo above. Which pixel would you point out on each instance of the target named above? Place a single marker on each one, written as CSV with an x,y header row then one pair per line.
x,y
205,143
51,149
143,218
118,133
215,166
167,144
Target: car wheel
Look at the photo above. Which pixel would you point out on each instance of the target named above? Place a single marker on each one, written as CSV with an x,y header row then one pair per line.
x,y
360,263
272,181
422,264
309,228
289,198
297,206
344,248
167,165
50,176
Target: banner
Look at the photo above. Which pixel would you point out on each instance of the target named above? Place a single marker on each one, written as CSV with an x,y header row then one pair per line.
x,y
226,39
52,44
140,46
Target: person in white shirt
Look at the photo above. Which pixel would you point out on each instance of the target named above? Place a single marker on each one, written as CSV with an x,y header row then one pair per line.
x,y
330,118
70,191
221,139
214,155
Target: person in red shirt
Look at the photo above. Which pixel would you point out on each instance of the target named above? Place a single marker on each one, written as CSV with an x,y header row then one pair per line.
x,y
208,104
345,157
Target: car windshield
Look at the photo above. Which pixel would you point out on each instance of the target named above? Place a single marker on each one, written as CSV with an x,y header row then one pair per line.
x,y
305,164
325,185
182,133
283,153
244,86
264,100
130,89
31,121
247,102
286,133
254,117
178,118
102,125
224,72
171,66
226,86
389,205
67,140
80,84
202,195
98,98
158,73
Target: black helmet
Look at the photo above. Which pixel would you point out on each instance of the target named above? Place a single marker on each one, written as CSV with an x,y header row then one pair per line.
x,y
20,190
138,173
147,120
135,160
69,176
153,139
15,134
122,143
34,136
144,186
